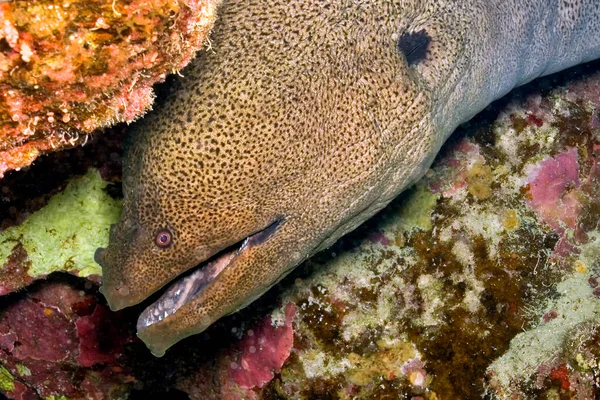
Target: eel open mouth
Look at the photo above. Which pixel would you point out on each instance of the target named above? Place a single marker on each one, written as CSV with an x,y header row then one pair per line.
x,y
188,286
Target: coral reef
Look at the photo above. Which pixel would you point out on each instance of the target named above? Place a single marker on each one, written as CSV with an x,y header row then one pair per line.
x,y
70,67
482,280
52,337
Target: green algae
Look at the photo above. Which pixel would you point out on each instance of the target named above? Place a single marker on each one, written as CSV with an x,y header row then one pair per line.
x,y
7,381
63,235
416,211
23,370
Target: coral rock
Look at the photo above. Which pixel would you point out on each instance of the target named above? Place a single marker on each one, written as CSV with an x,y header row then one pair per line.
x,y
47,348
68,68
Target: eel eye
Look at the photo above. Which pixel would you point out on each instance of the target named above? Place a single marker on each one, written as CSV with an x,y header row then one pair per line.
x,y
164,238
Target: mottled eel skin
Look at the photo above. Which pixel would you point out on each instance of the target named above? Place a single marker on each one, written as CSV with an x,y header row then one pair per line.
x,y
305,118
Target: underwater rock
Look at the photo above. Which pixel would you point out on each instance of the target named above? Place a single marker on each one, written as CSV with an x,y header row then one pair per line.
x,y
61,236
479,280
68,68
57,341
483,279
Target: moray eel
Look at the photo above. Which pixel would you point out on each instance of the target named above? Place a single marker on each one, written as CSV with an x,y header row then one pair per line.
x,y
302,120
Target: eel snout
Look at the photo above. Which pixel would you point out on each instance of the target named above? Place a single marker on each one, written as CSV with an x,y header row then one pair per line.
x,y
195,300
117,295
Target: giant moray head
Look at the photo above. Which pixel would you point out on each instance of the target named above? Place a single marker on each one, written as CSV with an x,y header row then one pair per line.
x,y
301,121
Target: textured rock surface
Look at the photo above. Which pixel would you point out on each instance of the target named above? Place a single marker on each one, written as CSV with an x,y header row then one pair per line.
x,y
61,236
70,67
52,337
483,278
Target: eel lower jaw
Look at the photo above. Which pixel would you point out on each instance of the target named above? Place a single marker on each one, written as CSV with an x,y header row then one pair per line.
x,y
189,286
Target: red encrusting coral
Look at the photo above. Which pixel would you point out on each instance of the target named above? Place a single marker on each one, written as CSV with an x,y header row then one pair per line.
x,y
68,68
561,374
49,347
263,351
535,120
100,342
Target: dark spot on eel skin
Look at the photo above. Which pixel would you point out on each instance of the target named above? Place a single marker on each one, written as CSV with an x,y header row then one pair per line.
x,y
414,46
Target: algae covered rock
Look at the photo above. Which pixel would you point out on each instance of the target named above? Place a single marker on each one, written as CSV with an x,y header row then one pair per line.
x,y
70,67
61,236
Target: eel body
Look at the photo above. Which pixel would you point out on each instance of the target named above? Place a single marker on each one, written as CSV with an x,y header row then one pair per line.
x,y
303,119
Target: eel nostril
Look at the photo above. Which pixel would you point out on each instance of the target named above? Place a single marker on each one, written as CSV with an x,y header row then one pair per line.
x,y
99,256
123,290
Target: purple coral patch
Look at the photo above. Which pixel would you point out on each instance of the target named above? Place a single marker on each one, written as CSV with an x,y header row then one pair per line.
x,y
379,237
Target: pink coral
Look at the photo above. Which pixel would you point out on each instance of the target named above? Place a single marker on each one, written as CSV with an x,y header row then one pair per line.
x,y
238,370
551,187
263,351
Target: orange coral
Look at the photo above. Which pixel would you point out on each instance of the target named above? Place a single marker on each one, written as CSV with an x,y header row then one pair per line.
x,y
68,67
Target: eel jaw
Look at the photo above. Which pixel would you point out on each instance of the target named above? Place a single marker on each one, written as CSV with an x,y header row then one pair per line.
x,y
183,290
158,324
